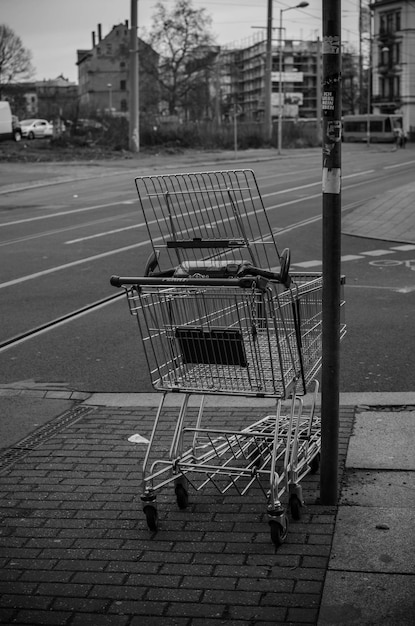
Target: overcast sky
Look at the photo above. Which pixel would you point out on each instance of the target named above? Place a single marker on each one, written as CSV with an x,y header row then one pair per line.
x,y
54,29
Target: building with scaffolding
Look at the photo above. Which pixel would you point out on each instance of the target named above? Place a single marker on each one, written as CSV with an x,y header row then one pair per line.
x,y
242,78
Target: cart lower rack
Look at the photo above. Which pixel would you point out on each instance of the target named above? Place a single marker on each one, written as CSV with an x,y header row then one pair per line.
x,y
274,453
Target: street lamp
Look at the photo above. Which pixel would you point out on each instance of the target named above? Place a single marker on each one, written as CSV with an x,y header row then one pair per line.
x,y
301,5
109,97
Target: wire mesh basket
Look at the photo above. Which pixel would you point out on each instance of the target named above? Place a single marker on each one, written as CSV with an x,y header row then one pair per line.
x,y
207,215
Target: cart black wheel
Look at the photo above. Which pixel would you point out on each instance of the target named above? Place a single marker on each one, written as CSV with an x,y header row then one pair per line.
x,y
278,532
295,507
151,516
182,496
315,464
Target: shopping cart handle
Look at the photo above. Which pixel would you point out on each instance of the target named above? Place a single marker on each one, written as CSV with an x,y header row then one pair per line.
x,y
282,276
258,282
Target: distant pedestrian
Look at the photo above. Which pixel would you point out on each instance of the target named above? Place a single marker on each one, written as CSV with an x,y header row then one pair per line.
x,y
398,137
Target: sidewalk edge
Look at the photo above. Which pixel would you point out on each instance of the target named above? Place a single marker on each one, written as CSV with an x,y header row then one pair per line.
x,y
152,399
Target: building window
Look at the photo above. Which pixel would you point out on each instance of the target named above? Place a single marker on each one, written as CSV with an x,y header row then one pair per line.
x,y
108,48
123,85
123,105
397,53
390,88
384,56
398,20
390,22
396,87
122,65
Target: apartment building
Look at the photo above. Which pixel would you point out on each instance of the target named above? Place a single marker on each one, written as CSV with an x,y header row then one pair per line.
x,y
393,59
103,74
50,99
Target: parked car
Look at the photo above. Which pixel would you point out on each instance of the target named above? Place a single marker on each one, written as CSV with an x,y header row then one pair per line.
x,y
35,128
9,124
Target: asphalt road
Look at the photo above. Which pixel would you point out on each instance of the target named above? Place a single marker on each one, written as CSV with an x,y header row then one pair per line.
x,y
59,245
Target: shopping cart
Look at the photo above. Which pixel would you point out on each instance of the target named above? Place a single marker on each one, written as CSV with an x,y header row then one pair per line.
x,y
220,313
238,337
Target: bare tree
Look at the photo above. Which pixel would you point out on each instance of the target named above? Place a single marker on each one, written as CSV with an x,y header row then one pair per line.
x,y
15,59
182,38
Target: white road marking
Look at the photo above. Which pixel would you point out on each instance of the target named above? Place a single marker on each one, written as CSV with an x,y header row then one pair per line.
x,y
378,252
391,167
404,248
307,264
108,232
69,212
396,290
351,257
409,263
57,231
58,268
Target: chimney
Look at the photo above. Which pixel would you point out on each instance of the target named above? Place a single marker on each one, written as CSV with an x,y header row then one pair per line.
x,y
126,23
93,39
99,32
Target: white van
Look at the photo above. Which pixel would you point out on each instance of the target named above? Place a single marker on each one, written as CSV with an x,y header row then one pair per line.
x,y
9,127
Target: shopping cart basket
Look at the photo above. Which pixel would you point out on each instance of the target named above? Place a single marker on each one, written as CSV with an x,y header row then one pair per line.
x,y
206,216
239,337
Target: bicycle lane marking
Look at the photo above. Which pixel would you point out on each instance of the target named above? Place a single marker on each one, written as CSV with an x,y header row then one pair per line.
x,y
368,253
409,263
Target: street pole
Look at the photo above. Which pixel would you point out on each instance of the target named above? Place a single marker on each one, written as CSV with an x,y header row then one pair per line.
x,y
268,77
134,133
235,130
369,80
280,103
109,98
331,187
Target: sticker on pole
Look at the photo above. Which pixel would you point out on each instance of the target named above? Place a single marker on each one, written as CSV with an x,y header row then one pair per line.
x,y
331,45
331,180
327,101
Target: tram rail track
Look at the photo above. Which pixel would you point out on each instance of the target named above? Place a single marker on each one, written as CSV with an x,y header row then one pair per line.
x,y
36,331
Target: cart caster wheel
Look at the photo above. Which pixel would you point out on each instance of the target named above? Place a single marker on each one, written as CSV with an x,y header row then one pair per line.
x,y
151,516
278,532
295,508
315,464
182,496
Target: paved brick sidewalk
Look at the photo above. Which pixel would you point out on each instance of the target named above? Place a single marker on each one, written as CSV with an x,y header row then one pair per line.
x,y
75,549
